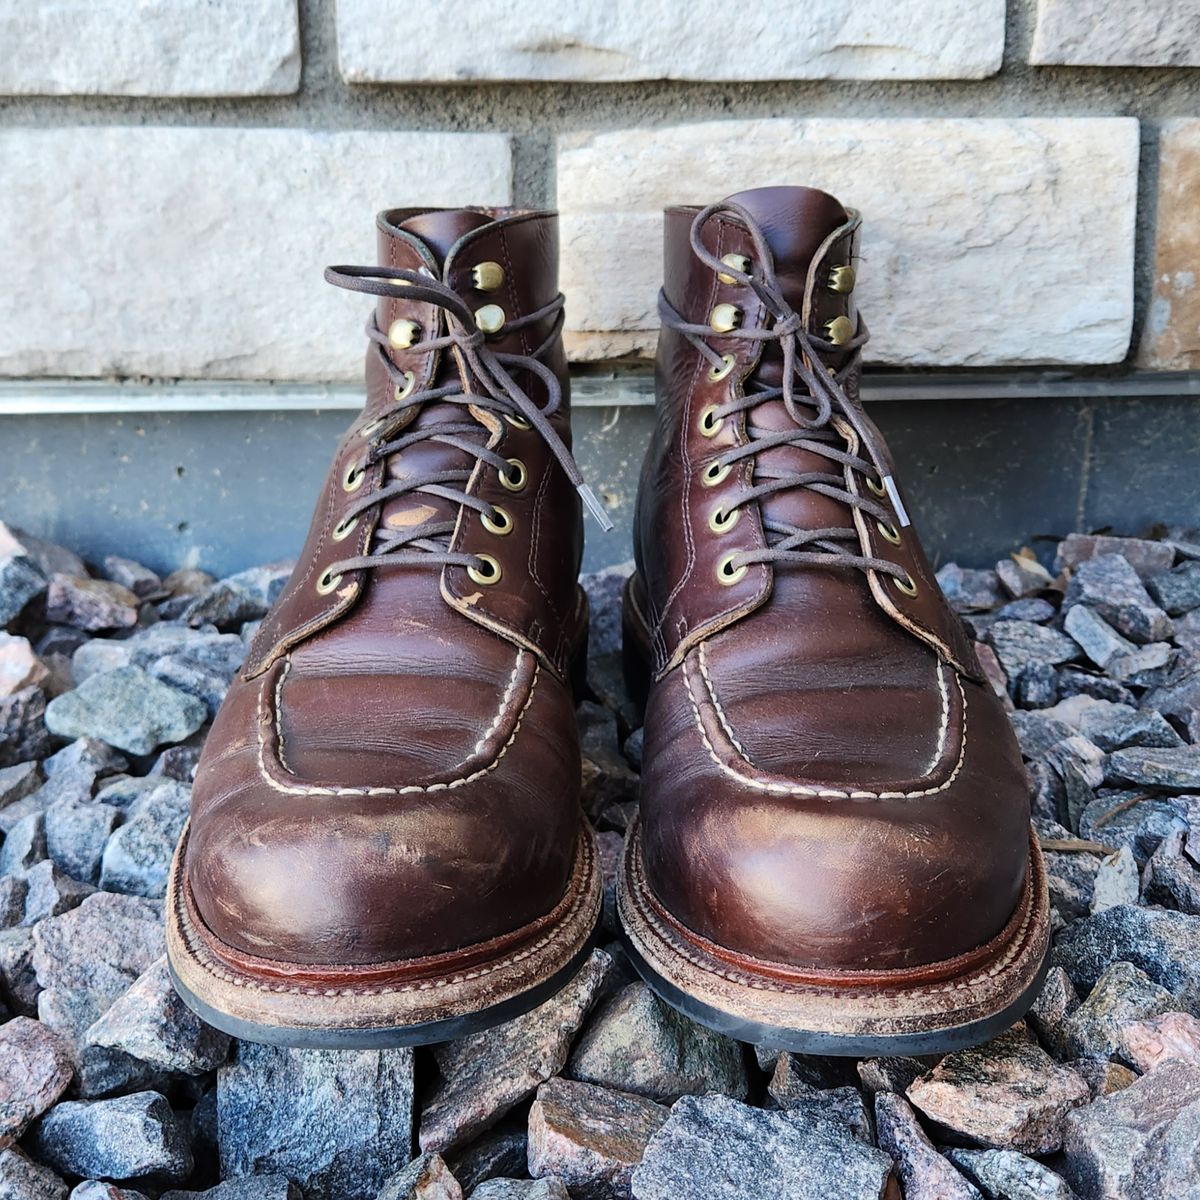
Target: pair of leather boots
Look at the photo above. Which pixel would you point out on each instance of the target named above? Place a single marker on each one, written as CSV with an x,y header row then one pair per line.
x,y
386,845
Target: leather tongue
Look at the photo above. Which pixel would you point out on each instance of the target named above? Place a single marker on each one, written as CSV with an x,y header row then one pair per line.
x,y
441,228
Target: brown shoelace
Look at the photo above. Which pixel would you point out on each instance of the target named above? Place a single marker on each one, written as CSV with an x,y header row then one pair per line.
x,y
812,397
491,371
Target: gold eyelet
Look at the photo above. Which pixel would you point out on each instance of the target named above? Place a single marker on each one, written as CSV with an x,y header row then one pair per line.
x,y
500,527
487,276
839,331
725,318
727,573
905,585
728,362
490,318
402,333
517,480
327,582
401,392
710,423
488,577
841,279
517,421
343,529
876,487
889,531
739,262
352,480
720,521
714,473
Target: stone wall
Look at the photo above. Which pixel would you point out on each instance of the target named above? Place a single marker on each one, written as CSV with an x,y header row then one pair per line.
x,y
176,175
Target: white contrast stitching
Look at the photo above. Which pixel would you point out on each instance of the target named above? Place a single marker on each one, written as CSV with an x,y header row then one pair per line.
x,y
407,789
798,789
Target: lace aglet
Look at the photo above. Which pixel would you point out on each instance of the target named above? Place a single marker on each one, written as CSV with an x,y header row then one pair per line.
x,y
889,486
594,506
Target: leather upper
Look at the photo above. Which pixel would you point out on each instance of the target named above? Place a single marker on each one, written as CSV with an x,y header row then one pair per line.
x,y
396,771
827,783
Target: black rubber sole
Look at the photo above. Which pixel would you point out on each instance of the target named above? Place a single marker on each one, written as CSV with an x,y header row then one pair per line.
x,y
383,1037
813,1041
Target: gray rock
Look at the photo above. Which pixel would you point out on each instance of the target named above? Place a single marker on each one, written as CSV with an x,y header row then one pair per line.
x,y
488,1073
150,1023
1055,1003
1122,994
336,1122
425,1178
21,577
521,1189
17,975
1108,584
24,845
95,1189
126,708
1177,591
76,834
1128,818
968,589
49,892
137,857
1072,880
590,1137
124,791
1021,644
1173,769
1178,699
1142,1143
607,781
19,781
1075,681
1163,944
129,1137
102,946
639,1044
207,686
1022,575
257,1187
1113,726
1036,686
1007,1175
922,1170
23,733
1117,881
140,580
1030,608
715,1147
243,597
36,1070
1102,1075
51,558
604,590
1146,557
1008,1094
1145,667
90,604
499,1152
1171,880
87,756
22,1179
892,1074
805,1102
188,582
13,890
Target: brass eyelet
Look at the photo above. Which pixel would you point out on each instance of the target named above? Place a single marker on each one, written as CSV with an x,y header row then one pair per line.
x,y
352,480
710,423
727,573
841,279
402,333
839,331
401,391
517,421
739,262
487,276
500,525
490,575
327,582
515,481
728,362
720,521
876,487
490,318
714,473
725,318
889,531
343,529
906,585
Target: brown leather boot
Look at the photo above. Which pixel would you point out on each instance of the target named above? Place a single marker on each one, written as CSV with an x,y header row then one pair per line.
x,y
386,844
834,850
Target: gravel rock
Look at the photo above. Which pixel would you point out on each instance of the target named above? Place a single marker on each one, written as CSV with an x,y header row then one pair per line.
x,y
1171,1035
1122,994
153,1025
1142,1143
889,1074
1129,818
1170,878
1027,609
76,834
21,577
23,1179
126,708
1078,681
968,589
639,1044
1112,726
1117,881
1022,575
1163,944
425,1178
604,590
486,1074
1108,584
502,1151
1021,644
1171,769
239,598
336,1122
1103,1076
140,580
1036,686
258,1187
17,782
1055,1003
95,1189
23,733
20,667
590,1137
1147,558
24,845
90,604
1177,591
1007,1175
922,1170
1145,667
804,1101
49,892
521,1189
130,1137
715,1147
17,974
35,1068
608,784
137,858
1009,1094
